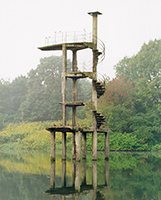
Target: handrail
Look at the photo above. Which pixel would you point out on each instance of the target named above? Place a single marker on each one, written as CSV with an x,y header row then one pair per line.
x,y
77,36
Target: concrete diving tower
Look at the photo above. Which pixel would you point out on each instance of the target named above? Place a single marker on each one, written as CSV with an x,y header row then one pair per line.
x,y
98,89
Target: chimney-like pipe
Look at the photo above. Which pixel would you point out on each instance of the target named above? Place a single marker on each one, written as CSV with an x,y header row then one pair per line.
x,y
94,32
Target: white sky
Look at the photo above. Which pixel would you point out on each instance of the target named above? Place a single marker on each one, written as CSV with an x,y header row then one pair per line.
x,y
124,26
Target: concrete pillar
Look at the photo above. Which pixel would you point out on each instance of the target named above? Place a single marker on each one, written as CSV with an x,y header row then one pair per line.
x,y
84,145
94,145
78,145
63,173
94,174
74,66
64,84
83,172
63,145
94,14
74,89
77,177
52,146
52,175
73,172
107,170
107,147
73,147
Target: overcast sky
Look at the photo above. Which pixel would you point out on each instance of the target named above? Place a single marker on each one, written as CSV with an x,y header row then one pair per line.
x,y
124,26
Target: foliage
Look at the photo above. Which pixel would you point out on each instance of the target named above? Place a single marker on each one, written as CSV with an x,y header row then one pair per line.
x,y
12,95
131,102
36,97
127,141
156,147
43,91
32,135
117,104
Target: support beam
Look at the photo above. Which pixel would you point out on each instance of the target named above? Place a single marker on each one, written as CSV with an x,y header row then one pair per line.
x,y
77,177
78,145
73,172
107,148
94,145
52,175
52,146
74,89
83,172
94,174
64,84
63,173
73,146
84,145
107,171
63,145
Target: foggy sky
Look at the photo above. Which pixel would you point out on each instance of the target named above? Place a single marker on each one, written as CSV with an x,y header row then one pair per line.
x,y
124,26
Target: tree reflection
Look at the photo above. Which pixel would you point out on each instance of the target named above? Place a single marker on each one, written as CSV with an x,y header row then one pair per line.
x,y
79,186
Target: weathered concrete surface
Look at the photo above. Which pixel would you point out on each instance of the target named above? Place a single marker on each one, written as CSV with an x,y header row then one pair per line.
x,y
84,145
78,145
52,146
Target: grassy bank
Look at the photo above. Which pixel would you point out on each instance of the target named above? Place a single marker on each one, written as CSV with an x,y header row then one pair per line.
x,y
32,135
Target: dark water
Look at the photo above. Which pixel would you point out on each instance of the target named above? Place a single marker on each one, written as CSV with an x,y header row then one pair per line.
x,y
31,176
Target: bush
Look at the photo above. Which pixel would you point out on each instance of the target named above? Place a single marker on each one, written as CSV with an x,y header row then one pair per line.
x,y
156,147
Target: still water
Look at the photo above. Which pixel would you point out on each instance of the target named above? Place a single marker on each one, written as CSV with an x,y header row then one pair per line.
x,y
31,176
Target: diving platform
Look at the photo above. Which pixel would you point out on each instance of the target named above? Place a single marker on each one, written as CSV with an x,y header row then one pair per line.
x,y
97,48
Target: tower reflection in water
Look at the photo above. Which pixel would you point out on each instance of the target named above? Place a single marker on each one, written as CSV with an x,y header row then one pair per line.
x,y
79,187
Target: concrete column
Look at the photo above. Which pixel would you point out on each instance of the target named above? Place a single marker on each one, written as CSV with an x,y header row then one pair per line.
x,y
73,172
94,174
63,145
63,173
107,147
52,146
84,145
74,89
64,84
107,170
52,175
95,14
83,172
74,66
74,116
77,178
78,145
94,145
73,147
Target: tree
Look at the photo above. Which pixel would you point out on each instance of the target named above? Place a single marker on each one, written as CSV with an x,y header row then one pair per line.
x,y
43,91
12,95
144,70
117,104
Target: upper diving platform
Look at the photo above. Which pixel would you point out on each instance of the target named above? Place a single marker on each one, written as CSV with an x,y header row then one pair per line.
x,y
73,40
69,46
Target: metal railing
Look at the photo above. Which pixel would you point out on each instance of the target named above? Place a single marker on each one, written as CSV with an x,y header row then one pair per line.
x,y
74,37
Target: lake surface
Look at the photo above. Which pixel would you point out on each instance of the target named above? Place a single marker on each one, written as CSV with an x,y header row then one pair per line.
x,y
31,176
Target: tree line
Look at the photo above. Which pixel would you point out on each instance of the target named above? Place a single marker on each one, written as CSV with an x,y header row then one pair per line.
x,y
131,103
36,97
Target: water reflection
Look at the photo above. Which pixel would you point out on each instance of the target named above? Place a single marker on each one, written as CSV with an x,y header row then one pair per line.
x,y
27,175
79,186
